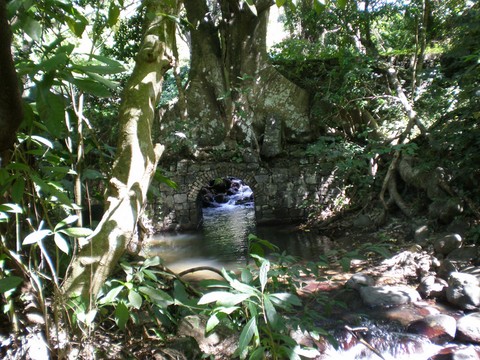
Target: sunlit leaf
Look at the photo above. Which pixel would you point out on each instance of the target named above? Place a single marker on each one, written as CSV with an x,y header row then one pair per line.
x,y
157,296
42,140
36,236
111,296
223,298
61,243
263,274
67,221
135,299
246,336
211,323
280,3
77,232
270,311
11,208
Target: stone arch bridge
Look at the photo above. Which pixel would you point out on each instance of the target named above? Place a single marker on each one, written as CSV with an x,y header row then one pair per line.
x,y
281,189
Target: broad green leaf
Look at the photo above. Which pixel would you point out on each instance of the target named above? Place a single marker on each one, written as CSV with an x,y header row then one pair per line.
x,y
245,337
263,274
135,299
56,62
51,108
11,208
211,323
111,296
91,87
98,69
92,174
76,26
270,311
106,60
153,261
258,354
121,315
36,236
280,3
9,283
285,299
42,140
33,28
77,232
229,299
319,6
246,276
112,85
61,243
157,296
113,14
18,189
67,221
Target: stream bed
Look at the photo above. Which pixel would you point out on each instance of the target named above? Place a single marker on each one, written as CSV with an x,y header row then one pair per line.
x,y
221,242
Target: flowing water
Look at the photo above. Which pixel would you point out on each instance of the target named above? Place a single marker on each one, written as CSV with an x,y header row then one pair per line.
x,y
221,242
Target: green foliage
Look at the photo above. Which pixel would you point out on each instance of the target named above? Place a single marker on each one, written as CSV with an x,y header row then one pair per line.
x,y
140,289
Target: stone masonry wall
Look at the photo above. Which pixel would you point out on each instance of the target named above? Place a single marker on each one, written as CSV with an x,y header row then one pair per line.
x,y
281,189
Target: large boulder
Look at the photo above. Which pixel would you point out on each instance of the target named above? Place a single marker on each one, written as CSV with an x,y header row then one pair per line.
x,y
468,328
438,328
387,296
464,290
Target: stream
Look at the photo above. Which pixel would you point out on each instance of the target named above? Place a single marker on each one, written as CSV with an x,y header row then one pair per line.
x,y
221,242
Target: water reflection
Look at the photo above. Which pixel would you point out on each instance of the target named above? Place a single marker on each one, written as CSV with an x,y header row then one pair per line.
x,y
222,240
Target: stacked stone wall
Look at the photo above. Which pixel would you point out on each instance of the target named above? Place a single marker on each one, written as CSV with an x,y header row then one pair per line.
x,y
281,190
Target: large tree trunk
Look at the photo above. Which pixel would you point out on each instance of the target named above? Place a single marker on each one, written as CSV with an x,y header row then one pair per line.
x,y
234,93
135,161
11,111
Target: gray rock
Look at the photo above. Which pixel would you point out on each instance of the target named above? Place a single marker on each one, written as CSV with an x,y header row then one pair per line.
x,y
273,138
386,296
466,353
463,290
439,328
447,244
432,287
468,328
359,280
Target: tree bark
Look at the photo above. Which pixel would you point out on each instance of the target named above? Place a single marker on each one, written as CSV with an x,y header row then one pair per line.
x,y
135,161
11,110
233,91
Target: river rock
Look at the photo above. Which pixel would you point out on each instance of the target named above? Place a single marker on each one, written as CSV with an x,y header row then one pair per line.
x,y
465,353
358,280
463,290
439,328
386,296
432,287
446,244
468,328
